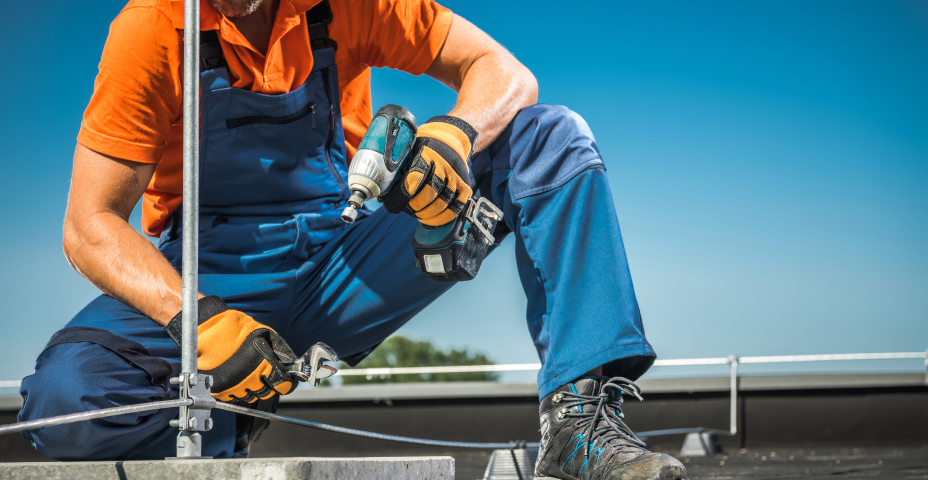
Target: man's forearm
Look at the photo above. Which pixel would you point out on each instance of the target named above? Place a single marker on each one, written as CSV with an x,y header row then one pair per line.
x,y
492,85
106,250
495,88
102,246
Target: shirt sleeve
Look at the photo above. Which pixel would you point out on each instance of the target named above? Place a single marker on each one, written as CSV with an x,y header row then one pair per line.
x,y
402,34
137,94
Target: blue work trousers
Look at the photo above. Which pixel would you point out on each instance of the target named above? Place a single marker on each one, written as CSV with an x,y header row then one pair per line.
x,y
353,286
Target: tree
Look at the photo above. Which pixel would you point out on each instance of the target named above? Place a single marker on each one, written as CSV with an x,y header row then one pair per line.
x,y
399,351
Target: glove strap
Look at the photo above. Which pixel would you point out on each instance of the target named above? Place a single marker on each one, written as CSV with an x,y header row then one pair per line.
x,y
207,308
462,126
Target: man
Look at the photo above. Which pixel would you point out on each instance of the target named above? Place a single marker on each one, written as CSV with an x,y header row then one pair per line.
x,y
285,100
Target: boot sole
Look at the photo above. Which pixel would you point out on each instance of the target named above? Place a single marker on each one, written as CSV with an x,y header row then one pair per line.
x,y
682,475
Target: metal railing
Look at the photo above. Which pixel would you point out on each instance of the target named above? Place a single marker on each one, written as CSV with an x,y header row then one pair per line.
x,y
514,367
733,361
679,362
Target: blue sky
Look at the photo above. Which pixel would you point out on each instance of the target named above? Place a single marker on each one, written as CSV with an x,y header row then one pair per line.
x,y
768,160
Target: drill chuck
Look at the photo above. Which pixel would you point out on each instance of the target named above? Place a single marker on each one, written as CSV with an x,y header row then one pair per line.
x,y
359,195
349,214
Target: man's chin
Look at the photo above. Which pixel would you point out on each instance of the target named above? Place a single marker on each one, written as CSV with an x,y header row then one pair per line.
x,y
235,8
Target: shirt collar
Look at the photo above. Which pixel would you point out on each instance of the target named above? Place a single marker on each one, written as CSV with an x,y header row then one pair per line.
x,y
210,18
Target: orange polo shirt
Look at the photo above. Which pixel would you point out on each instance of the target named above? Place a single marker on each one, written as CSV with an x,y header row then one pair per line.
x,y
135,112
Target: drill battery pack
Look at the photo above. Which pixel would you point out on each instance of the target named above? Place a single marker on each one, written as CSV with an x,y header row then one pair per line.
x,y
454,252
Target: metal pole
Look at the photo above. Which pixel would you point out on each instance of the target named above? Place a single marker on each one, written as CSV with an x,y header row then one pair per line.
x,y
188,442
733,360
191,199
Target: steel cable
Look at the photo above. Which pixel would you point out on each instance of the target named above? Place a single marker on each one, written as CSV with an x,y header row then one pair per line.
x,y
362,433
101,413
433,443
143,407
109,412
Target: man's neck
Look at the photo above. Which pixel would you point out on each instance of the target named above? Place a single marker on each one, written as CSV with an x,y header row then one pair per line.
x,y
257,26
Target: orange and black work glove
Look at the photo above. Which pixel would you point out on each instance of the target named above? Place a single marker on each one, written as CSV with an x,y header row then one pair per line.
x,y
436,185
244,357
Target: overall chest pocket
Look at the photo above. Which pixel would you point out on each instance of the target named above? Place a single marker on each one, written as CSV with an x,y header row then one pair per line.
x,y
267,150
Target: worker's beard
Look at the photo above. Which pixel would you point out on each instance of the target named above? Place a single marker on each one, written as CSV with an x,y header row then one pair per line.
x,y
235,8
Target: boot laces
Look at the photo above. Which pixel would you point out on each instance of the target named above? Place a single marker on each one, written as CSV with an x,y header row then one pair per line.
x,y
606,421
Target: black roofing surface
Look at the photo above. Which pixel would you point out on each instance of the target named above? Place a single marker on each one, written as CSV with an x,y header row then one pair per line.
x,y
842,463
781,464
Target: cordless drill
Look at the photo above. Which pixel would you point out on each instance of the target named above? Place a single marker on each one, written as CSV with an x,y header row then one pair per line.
x,y
451,252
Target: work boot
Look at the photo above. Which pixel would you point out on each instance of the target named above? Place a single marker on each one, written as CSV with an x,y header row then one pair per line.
x,y
583,436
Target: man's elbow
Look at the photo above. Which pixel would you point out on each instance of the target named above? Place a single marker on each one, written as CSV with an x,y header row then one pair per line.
x,y
525,82
529,87
525,86
71,242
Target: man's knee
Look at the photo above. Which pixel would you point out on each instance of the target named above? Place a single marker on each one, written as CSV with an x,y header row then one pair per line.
x,y
555,115
550,144
78,377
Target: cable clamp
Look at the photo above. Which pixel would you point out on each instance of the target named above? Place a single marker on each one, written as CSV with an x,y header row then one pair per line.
x,y
195,417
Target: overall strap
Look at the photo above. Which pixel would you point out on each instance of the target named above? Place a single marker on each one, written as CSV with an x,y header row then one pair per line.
x,y
323,47
210,51
214,72
132,352
317,21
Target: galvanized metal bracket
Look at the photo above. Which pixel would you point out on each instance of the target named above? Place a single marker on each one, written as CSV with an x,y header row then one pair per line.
x,y
195,417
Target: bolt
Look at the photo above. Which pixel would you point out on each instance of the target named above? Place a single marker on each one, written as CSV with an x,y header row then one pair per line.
x,y
208,424
192,380
192,423
209,381
175,380
174,423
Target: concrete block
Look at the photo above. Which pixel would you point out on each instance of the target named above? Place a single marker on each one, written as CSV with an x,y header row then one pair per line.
x,y
372,468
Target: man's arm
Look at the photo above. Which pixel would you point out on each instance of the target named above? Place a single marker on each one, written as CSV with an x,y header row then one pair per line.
x,y
102,246
492,85
245,357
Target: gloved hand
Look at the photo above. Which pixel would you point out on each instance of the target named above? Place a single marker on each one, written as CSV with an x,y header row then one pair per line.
x,y
436,185
244,357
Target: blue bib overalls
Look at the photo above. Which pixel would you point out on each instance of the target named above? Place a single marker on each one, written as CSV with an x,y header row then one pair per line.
x,y
272,244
